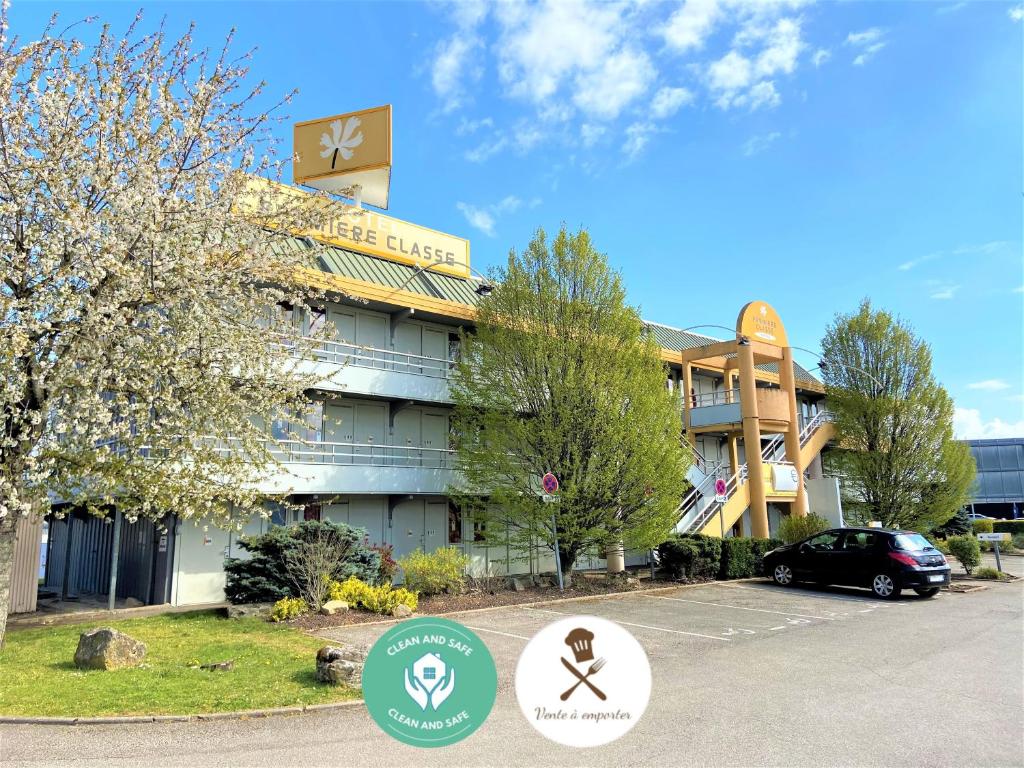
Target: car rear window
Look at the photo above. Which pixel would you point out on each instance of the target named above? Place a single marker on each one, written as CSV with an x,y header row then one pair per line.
x,y
912,542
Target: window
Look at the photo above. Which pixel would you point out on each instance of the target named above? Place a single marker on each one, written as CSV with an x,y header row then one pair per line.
x,y
912,542
859,541
479,530
429,673
317,321
824,542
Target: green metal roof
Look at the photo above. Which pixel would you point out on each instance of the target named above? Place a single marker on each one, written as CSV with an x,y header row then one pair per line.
x,y
371,269
391,274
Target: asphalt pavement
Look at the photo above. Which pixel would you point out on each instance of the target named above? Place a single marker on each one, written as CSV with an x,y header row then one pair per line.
x,y
744,674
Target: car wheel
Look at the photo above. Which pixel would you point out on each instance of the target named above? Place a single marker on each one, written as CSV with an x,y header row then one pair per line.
x,y
927,592
782,575
885,586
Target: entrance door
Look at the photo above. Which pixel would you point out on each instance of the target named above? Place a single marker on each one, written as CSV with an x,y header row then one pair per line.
x,y
339,427
407,445
435,347
435,436
435,525
407,527
368,514
370,420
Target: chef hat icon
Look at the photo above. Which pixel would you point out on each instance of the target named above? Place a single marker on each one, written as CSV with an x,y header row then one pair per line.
x,y
579,641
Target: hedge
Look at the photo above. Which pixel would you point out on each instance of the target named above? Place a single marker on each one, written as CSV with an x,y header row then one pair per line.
x,y
708,557
1008,526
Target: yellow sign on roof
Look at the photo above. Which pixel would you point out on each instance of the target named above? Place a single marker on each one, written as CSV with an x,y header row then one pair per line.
x,y
374,233
758,320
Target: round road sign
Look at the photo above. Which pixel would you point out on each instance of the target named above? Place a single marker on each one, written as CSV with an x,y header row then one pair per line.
x,y
550,483
720,487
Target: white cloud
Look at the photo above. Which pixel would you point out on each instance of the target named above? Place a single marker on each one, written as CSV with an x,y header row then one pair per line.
x,y
637,137
821,56
944,292
1019,289
486,149
690,25
485,217
469,127
782,48
667,101
730,73
603,92
866,37
455,59
1016,13
868,42
756,144
968,425
952,8
478,218
978,249
989,385
547,44
591,134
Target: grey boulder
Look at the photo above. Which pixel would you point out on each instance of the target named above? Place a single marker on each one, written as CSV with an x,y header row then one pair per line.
x,y
106,648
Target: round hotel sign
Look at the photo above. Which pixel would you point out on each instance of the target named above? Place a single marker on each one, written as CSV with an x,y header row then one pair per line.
x,y
429,682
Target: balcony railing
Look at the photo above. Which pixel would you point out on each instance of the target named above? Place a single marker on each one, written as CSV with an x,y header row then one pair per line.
x,y
345,353
296,452
718,397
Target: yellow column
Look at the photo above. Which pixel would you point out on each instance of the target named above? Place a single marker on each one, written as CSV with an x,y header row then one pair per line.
x,y
752,443
787,381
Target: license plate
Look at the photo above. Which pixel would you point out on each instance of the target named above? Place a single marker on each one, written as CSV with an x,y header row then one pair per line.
x,y
937,577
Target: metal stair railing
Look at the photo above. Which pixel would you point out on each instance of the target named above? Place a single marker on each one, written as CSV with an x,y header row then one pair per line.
x,y
774,451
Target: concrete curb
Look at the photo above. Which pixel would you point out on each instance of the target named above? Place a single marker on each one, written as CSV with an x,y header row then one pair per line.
x,y
552,601
240,715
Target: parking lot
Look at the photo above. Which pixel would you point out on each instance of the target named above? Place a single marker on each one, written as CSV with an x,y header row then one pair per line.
x,y
744,673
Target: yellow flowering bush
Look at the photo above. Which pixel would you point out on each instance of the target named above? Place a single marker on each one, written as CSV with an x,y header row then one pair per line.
x,y
443,570
288,608
383,599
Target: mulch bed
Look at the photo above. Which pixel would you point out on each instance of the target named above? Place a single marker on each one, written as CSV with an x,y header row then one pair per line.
x,y
440,604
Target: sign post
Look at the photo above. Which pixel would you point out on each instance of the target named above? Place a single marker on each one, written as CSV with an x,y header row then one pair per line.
x,y
550,485
995,538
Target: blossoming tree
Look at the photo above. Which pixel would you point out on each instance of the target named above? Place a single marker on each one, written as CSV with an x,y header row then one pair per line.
x,y
136,363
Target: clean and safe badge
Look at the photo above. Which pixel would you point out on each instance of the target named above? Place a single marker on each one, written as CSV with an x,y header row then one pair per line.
x,y
429,682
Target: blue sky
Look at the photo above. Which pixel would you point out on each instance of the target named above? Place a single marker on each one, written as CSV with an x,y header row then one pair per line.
x,y
808,155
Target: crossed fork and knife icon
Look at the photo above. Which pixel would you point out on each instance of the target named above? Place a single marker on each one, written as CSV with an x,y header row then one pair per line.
x,y
582,679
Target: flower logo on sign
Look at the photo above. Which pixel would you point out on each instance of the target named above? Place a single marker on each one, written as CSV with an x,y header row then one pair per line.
x,y
341,139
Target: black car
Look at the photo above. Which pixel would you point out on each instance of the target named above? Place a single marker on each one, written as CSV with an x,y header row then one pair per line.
x,y
884,560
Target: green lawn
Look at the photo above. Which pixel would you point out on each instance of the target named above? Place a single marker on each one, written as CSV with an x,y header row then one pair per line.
x,y
274,667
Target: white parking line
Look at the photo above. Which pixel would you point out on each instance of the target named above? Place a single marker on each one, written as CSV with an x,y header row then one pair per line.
x,y
495,632
736,607
642,626
809,596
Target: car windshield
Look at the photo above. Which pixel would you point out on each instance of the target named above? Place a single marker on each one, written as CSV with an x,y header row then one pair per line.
x,y
912,542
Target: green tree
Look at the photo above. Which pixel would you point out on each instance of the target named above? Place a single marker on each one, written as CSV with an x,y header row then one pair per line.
x,y
896,453
560,376
134,294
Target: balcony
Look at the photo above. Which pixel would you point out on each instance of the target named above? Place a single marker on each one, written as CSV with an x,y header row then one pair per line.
x,y
360,468
722,408
366,370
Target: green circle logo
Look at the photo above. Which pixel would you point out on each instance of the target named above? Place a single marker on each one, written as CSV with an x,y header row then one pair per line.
x,y
429,682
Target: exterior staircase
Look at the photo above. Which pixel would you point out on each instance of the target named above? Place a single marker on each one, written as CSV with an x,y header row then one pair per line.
x,y
702,512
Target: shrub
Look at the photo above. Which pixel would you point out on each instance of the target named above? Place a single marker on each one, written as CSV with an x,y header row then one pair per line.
x,y
443,570
1018,541
388,566
738,559
982,526
957,525
761,548
988,573
288,608
794,528
694,557
1004,546
966,550
376,599
267,576
942,545
1013,527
